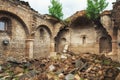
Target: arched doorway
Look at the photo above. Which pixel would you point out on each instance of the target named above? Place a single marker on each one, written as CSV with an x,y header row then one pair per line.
x,y
42,41
62,39
105,45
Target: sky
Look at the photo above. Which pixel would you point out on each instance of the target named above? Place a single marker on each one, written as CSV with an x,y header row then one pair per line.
x,y
69,6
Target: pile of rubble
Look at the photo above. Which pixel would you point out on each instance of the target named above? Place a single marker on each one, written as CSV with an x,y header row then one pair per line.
x,y
61,67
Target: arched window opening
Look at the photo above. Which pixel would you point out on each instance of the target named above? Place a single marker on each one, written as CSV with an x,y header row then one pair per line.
x,y
5,24
42,33
2,25
63,40
84,39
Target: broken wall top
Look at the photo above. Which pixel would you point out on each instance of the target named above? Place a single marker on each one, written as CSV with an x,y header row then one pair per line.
x,y
116,13
21,3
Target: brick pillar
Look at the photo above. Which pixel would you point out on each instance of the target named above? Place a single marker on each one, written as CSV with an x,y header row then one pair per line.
x,y
114,40
29,48
114,46
52,48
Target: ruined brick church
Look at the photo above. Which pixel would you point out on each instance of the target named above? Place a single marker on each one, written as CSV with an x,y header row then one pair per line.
x,y
26,33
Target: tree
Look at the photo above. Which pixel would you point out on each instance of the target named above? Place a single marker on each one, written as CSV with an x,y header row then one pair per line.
x,y
93,11
94,8
56,9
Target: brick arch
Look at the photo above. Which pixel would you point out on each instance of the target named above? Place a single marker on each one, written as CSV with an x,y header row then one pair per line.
x,y
61,40
45,23
18,18
46,27
42,41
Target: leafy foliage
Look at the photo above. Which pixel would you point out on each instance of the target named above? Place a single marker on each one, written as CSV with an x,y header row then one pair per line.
x,y
95,7
56,9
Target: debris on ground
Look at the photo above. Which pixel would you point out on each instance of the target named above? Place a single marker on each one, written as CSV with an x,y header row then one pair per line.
x,y
67,66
